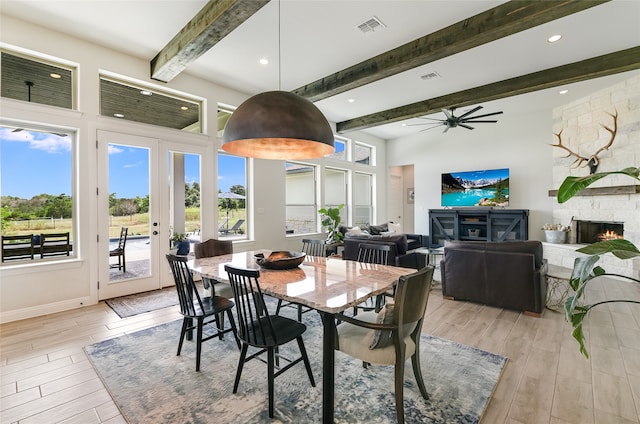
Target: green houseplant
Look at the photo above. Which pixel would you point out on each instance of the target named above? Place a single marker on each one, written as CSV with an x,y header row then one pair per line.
x,y
331,219
181,241
585,268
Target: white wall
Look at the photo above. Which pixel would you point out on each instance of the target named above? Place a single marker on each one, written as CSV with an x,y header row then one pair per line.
x,y
27,291
518,141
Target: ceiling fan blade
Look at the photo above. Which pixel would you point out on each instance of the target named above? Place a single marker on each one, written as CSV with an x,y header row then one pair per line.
x,y
475,109
432,127
17,130
465,126
473,121
447,113
486,114
446,129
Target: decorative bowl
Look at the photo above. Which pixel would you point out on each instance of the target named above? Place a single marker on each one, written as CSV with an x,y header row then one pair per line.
x,y
280,260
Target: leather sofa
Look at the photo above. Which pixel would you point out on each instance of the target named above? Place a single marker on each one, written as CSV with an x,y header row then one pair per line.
x,y
399,242
509,275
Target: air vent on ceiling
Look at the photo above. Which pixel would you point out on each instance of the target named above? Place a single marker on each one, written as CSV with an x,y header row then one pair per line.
x,y
371,25
430,75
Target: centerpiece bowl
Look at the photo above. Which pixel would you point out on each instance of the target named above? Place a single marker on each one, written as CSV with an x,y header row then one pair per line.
x,y
280,259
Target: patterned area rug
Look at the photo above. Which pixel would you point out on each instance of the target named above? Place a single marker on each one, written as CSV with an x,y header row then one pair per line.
x,y
150,384
134,304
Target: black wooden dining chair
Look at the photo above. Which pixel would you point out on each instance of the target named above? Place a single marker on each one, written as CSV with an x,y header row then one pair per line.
x,y
312,248
374,253
204,310
266,332
391,336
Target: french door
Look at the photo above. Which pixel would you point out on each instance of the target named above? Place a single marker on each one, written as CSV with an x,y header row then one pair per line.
x,y
145,186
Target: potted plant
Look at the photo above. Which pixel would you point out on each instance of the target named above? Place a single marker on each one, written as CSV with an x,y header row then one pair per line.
x,y
181,242
585,268
331,219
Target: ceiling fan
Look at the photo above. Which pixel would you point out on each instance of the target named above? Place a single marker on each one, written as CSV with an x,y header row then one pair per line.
x,y
453,121
30,84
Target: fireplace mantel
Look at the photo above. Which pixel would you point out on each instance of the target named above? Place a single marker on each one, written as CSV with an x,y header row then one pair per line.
x,y
603,191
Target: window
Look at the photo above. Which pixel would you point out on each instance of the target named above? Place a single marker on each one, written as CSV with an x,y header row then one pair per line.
x,y
335,191
149,106
362,199
37,186
363,154
341,150
301,203
36,80
232,191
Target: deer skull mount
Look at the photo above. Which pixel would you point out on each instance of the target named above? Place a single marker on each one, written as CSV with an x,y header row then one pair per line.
x,y
591,161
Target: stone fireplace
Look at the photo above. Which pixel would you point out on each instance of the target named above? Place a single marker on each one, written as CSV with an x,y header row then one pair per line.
x,y
588,232
612,203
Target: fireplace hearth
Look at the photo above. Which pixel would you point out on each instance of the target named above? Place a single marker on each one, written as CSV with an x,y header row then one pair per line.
x,y
594,231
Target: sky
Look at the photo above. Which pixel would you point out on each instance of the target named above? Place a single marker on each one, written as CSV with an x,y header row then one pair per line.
x,y
29,159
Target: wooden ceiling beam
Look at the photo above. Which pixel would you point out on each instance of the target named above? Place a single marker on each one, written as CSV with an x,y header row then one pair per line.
x,y
501,21
210,25
608,64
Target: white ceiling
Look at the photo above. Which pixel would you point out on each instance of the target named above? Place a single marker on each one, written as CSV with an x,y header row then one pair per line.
x,y
309,39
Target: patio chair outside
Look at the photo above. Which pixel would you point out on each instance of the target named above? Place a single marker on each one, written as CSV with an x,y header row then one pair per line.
x,y
17,247
235,228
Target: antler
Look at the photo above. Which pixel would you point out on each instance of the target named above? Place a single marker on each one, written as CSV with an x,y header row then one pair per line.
x,y
591,161
580,159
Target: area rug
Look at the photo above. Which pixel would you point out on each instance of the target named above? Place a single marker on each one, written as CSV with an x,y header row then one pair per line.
x,y
150,384
134,304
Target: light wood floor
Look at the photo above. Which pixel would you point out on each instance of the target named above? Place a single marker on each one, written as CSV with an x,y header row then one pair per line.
x,y
46,377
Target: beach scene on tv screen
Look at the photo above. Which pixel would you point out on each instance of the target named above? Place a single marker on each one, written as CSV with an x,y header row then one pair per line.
x,y
488,187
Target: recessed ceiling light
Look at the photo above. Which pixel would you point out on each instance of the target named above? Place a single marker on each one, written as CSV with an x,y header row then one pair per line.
x,y
118,115
563,91
55,76
351,100
184,108
146,92
554,38
263,61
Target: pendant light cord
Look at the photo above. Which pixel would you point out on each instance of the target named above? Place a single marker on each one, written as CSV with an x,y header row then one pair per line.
x,y
279,49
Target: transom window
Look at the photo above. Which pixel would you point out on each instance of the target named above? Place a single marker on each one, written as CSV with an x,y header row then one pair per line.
x,y
148,105
36,80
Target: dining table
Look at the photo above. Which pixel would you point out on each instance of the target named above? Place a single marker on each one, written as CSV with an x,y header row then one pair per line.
x,y
329,285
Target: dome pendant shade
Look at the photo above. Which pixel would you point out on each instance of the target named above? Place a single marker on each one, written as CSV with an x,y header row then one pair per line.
x,y
278,125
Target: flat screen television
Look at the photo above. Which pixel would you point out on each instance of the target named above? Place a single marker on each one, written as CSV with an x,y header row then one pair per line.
x,y
488,187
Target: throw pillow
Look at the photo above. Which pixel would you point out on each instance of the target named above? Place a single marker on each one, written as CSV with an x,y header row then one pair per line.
x,y
396,228
375,230
382,338
355,231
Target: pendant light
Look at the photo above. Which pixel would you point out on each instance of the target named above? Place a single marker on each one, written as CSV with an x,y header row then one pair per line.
x,y
278,125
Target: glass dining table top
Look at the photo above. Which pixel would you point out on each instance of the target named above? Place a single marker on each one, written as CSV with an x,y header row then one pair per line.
x,y
329,285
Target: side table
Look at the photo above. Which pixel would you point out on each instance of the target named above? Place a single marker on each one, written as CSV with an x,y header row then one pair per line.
x,y
558,287
433,255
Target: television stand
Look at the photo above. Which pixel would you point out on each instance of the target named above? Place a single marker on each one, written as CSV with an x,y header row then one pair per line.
x,y
480,224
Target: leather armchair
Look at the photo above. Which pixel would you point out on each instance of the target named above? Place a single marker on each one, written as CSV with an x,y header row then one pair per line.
x,y
508,275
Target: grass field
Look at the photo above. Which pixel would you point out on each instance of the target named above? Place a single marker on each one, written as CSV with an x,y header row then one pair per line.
x,y
138,224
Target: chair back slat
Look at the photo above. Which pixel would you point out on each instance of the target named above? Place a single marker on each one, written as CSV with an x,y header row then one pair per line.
x,y
254,324
123,238
190,300
314,247
374,253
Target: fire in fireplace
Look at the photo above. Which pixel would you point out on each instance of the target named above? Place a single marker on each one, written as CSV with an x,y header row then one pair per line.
x,y
595,231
